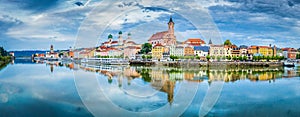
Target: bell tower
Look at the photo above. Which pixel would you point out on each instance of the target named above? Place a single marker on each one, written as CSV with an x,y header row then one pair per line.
x,y
171,26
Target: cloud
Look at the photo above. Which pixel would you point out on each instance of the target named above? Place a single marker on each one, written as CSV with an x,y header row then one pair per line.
x,y
58,21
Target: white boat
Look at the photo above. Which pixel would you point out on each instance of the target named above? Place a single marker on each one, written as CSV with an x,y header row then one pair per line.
x,y
289,63
106,61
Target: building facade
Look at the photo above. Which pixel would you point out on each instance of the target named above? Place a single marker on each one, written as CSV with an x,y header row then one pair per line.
x,y
157,52
165,38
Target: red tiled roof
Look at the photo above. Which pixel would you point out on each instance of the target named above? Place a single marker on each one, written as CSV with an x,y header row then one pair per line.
x,y
158,45
195,41
131,42
158,35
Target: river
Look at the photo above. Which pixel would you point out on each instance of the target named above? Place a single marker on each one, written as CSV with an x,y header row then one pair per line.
x,y
52,89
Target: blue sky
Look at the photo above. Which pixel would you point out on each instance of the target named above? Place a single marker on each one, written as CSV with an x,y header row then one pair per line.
x,y
36,24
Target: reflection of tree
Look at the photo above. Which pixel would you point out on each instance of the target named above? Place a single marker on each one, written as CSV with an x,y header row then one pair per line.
x,y
145,75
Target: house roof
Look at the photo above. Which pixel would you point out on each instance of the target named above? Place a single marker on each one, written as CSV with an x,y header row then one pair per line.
x,y
158,35
195,41
158,45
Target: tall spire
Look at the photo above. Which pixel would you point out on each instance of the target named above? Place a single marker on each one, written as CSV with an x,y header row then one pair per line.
x,y
210,42
171,20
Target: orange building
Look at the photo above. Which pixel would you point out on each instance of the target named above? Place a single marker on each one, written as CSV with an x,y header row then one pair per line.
x,y
188,51
289,53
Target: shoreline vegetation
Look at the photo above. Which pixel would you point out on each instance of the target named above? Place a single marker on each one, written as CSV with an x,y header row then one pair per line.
x,y
4,57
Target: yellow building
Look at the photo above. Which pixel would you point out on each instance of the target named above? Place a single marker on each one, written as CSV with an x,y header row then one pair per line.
x,y
264,50
157,52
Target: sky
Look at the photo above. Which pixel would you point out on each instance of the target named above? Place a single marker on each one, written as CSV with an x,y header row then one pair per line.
x,y
36,24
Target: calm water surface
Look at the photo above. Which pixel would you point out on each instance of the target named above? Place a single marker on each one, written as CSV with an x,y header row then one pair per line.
x,y
49,89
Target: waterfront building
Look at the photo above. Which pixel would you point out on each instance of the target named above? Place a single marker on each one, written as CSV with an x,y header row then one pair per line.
x,y
201,51
263,50
194,42
52,53
115,53
157,51
165,38
289,53
217,51
243,50
131,52
87,53
188,51
228,49
179,51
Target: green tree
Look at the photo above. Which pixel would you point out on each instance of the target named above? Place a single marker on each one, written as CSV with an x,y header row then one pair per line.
x,y
268,58
218,58
229,58
197,57
298,56
245,58
234,58
207,57
240,58
146,48
224,57
227,42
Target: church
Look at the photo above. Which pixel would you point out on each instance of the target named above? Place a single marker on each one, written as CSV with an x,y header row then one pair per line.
x,y
165,38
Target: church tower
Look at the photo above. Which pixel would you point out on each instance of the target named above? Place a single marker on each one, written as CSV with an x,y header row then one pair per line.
x,y
120,38
51,49
110,38
171,26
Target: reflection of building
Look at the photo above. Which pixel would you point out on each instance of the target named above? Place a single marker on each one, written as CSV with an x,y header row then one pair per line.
x,y
165,38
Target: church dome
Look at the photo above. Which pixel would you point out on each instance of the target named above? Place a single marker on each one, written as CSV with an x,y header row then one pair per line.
x,y
110,36
120,32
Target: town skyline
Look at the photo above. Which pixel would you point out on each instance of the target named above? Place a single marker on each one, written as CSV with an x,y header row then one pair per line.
x,y
56,23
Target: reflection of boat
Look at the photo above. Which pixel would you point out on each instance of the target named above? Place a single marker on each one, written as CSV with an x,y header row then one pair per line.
x,y
52,59
38,58
289,63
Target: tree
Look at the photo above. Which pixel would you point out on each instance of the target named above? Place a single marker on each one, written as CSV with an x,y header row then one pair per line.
x,y
240,58
298,56
245,58
229,58
218,58
234,58
224,57
146,48
213,57
227,42
3,52
207,57
197,57
268,58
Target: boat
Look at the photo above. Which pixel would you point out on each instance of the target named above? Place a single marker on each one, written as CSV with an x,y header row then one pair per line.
x,y
105,61
288,63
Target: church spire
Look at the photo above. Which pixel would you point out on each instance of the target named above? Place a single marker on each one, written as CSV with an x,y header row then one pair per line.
x,y
210,42
171,20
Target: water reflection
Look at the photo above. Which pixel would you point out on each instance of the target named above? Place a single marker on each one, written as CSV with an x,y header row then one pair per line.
x,y
165,79
143,88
